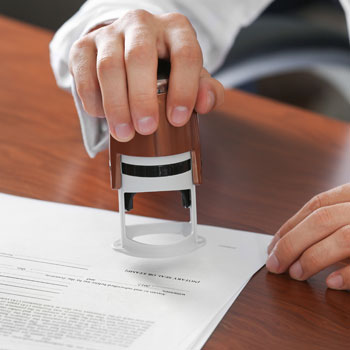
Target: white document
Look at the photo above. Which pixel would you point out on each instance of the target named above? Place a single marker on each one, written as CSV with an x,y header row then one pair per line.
x,y
62,286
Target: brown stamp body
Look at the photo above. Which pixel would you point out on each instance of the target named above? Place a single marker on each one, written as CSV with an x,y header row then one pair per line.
x,y
166,141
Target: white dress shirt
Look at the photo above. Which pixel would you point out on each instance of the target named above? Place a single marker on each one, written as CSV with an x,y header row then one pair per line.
x,y
217,24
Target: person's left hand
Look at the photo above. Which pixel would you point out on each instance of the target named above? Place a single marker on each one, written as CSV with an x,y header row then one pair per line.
x,y
315,237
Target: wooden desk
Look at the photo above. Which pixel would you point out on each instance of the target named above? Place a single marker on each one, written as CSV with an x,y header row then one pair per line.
x,y
261,160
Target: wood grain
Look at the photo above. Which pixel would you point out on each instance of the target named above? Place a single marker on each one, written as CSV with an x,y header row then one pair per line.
x,y
261,162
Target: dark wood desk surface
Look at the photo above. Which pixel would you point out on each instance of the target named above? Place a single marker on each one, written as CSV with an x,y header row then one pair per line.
x,y
261,160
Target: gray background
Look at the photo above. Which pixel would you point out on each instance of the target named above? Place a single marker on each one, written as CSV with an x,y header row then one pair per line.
x,y
45,13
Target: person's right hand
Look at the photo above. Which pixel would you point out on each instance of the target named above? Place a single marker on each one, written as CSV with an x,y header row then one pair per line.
x,y
115,72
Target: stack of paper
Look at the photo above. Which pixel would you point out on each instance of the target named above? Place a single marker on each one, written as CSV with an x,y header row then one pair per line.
x,y
62,286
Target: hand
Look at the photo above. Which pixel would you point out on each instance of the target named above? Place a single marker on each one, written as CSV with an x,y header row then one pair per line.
x,y
115,69
314,238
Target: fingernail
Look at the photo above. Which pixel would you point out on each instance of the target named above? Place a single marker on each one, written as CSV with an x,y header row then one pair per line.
x,y
147,125
123,131
296,271
210,100
179,115
272,263
276,238
335,281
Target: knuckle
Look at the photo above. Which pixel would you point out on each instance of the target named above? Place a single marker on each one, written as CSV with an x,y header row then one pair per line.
x,y
85,89
137,16
109,31
315,203
323,216
81,43
177,19
93,110
106,63
91,100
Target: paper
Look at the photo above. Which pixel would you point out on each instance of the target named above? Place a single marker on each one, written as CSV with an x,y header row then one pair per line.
x,y
62,286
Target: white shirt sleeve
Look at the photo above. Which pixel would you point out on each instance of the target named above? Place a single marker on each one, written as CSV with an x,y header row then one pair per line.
x,y
217,24
346,7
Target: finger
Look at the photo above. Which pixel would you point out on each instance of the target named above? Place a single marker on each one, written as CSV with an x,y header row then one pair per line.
x,y
112,79
330,250
311,230
210,93
82,65
186,65
141,67
339,279
336,195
